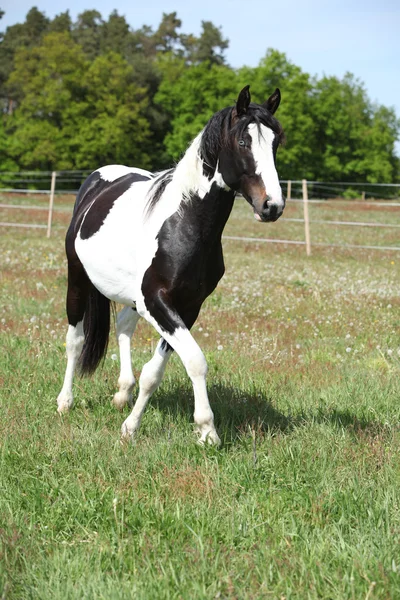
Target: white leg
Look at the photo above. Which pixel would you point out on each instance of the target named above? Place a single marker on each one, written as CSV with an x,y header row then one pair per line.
x,y
126,325
196,366
150,379
75,339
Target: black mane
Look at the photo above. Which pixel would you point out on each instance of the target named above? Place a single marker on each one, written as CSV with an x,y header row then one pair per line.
x,y
157,189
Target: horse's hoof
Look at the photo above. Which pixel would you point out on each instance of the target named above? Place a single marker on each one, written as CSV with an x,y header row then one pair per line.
x,y
64,403
120,400
127,434
209,437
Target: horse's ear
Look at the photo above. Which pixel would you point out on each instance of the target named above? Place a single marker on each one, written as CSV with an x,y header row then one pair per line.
x,y
243,101
273,101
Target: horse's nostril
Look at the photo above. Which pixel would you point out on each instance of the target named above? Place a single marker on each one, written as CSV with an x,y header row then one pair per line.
x,y
266,203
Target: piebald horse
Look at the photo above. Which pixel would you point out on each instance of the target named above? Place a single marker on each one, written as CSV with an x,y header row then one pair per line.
x,y
152,242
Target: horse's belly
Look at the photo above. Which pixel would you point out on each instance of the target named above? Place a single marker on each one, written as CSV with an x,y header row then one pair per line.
x,y
111,268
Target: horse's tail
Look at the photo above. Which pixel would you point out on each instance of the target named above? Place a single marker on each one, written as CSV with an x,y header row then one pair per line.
x,y
96,327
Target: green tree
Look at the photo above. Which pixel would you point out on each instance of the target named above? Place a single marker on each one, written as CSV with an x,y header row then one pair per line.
x,y
87,32
167,38
79,94
61,23
116,36
46,81
378,161
22,35
74,113
209,47
110,125
356,139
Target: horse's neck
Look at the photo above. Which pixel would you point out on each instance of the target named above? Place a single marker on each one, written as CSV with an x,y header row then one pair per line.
x,y
205,202
189,175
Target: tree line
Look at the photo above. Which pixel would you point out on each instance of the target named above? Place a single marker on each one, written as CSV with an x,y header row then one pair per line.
x,y
81,94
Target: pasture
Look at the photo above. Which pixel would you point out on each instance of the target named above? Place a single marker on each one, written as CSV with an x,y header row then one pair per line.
x,y
302,499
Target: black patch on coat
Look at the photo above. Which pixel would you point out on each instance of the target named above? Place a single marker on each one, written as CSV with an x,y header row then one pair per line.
x,y
104,197
189,262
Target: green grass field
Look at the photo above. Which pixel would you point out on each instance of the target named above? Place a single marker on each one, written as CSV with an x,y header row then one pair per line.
x,y
302,501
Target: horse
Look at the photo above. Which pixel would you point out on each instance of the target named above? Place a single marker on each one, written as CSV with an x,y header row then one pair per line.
x,y
152,242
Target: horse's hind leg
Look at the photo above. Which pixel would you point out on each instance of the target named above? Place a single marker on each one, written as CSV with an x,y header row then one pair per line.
x,y
150,378
78,289
126,324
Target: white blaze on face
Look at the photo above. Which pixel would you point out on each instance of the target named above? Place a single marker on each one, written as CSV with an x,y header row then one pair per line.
x,y
262,149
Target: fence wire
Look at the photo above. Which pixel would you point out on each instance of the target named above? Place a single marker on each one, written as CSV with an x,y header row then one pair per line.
x,y
318,192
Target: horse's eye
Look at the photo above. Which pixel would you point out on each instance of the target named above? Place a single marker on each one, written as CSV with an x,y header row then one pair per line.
x,y
242,143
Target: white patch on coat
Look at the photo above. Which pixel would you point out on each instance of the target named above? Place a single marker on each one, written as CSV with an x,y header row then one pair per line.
x,y
261,147
113,172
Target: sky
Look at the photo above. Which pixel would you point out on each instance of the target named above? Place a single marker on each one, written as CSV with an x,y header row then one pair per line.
x,y
320,36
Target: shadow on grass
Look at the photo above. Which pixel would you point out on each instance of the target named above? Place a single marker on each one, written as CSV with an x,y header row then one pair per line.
x,y
238,413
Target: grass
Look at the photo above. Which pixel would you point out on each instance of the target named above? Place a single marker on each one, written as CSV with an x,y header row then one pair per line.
x,y
302,500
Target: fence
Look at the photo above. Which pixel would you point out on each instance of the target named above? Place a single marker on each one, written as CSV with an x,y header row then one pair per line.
x,y
39,182
300,191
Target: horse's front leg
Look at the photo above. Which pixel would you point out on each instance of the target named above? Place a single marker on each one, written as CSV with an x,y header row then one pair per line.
x,y
174,329
126,325
196,367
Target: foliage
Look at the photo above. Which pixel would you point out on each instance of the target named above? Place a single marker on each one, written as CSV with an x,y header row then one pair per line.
x,y
73,112
76,94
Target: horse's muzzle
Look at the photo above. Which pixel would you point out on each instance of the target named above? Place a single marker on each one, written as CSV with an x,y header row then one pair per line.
x,y
270,211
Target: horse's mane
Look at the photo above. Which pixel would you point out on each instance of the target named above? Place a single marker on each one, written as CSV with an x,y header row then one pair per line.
x,y
157,189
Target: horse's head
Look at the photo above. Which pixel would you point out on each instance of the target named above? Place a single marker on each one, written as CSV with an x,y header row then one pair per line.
x,y
248,154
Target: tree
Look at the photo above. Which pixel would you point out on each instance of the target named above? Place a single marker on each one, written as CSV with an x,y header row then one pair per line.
x,y
378,161
74,113
46,81
356,139
87,32
209,47
116,36
109,125
79,94
166,38
61,23
21,35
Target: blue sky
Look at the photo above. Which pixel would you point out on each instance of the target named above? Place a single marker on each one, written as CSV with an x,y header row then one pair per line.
x,y
330,38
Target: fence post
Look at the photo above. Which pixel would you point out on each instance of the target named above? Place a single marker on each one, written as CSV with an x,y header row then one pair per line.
x,y
306,217
289,190
51,202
